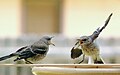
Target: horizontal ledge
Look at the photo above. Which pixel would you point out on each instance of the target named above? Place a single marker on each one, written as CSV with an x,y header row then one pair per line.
x,y
61,70
64,65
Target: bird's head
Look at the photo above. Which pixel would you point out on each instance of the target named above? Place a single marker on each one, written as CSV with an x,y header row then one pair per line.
x,y
84,40
47,39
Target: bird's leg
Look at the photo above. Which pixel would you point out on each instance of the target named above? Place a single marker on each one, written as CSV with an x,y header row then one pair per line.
x,y
82,59
28,62
96,61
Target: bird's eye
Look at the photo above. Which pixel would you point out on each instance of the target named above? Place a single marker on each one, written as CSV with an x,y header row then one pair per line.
x,y
48,38
84,39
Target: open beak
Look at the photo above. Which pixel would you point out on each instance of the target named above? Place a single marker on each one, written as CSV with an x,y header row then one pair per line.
x,y
52,43
79,40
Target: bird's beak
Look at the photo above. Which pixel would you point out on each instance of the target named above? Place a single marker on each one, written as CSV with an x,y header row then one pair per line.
x,y
80,41
52,43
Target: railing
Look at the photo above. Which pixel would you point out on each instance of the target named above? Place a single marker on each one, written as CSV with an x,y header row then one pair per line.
x,y
65,69
64,65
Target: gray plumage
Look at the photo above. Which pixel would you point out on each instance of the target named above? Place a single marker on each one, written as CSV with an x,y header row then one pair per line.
x,y
32,53
88,46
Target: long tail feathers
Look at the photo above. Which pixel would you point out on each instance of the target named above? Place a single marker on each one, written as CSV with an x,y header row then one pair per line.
x,y
6,57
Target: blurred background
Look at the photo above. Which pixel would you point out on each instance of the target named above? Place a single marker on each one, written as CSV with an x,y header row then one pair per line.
x,y
23,22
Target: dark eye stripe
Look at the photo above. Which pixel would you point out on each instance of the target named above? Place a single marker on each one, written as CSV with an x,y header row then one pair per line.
x,y
48,38
84,39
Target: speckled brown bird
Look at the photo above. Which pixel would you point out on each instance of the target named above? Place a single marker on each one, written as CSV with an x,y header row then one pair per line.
x,y
88,46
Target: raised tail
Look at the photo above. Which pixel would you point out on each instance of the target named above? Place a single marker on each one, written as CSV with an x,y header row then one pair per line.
x,y
6,57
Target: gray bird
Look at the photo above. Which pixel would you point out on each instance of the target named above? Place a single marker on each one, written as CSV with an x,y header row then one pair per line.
x,y
88,46
32,53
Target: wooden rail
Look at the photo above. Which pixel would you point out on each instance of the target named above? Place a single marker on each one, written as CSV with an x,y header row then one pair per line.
x,y
70,69
64,65
77,69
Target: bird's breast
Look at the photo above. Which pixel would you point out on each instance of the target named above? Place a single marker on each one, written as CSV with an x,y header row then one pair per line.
x,y
37,57
92,50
